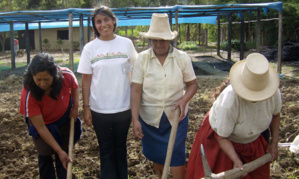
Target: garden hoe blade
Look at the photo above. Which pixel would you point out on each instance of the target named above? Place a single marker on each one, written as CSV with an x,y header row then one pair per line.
x,y
205,163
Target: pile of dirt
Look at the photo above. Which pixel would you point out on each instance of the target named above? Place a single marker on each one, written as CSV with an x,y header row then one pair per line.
x,y
18,158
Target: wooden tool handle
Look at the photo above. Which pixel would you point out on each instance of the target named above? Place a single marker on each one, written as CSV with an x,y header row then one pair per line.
x,y
170,147
71,145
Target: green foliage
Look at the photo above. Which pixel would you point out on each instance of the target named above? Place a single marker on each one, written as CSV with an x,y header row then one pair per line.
x,y
76,45
188,45
46,44
235,45
60,43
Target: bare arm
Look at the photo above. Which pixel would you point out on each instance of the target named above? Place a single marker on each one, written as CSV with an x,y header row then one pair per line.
x,y
191,88
75,98
86,81
136,91
228,148
274,129
45,134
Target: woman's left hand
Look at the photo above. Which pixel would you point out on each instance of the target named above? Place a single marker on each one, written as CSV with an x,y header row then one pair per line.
x,y
64,158
74,113
273,150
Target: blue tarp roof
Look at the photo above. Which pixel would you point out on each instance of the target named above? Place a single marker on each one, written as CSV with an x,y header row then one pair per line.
x,y
131,16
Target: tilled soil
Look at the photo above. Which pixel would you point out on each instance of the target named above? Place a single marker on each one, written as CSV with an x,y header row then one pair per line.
x,y
18,158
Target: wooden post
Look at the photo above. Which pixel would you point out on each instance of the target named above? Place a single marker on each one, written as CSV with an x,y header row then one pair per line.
x,y
88,29
279,52
176,27
218,35
206,37
199,34
71,57
258,36
81,31
242,37
229,36
12,47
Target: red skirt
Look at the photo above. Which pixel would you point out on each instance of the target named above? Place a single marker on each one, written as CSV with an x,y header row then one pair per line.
x,y
218,160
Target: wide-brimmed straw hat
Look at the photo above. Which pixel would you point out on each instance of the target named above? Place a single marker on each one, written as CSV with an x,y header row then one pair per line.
x,y
254,79
159,28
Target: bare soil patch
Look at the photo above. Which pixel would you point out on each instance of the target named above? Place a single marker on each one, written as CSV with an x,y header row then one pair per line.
x,y
18,158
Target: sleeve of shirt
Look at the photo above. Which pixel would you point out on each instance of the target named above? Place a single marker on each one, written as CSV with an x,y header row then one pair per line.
x,y
133,54
137,75
28,105
225,114
188,71
85,62
70,79
278,102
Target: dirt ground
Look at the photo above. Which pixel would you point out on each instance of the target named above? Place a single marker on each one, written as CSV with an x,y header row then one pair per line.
x,y
18,158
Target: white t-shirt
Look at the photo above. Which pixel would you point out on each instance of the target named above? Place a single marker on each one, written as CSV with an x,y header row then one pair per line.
x,y
110,63
241,120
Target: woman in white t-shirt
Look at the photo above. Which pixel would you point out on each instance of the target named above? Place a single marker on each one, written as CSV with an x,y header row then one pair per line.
x,y
106,64
235,130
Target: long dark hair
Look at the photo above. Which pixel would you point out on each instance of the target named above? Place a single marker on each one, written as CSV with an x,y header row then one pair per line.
x,y
104,11
40,63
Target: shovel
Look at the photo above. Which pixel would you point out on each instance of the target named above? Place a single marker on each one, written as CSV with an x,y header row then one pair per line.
x,y
71,145
294,146
174,127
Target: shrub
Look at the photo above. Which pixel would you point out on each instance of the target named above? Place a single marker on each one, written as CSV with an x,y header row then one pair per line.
x,y
188,45
46,44
76,45
235,45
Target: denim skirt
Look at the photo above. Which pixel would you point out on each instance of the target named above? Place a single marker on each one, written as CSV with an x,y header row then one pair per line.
x,y
155,141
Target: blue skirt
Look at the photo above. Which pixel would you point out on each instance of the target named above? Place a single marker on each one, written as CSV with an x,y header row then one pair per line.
x,y
155,141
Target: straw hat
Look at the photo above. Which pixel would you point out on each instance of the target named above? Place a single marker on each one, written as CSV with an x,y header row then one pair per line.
x,y
253,79
159,28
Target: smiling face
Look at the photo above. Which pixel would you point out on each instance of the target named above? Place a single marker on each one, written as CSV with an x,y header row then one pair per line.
x,y
44,81
105,26
160,47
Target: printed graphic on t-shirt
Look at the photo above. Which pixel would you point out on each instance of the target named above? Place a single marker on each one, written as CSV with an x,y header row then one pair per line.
x,y
108,56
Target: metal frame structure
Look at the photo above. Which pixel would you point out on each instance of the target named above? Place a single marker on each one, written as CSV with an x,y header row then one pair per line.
x,y
130,15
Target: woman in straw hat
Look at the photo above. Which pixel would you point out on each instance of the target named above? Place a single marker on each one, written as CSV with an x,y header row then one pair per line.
x,y
106,64
163,81
235,130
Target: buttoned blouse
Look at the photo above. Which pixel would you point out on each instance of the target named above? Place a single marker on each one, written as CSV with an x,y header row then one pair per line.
x,y
240,120
162,86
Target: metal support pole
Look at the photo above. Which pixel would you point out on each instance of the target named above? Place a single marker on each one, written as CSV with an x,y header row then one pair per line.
x,y
40,37
27,42
12,47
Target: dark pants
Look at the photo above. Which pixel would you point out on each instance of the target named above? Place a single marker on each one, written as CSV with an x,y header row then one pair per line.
x,y
46,167
112,131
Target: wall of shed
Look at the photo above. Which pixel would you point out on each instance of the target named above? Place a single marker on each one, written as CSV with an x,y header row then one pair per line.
x,y
51,35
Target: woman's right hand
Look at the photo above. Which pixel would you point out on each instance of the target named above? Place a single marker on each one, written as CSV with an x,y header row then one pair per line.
x,y
87,117
238,164
137,129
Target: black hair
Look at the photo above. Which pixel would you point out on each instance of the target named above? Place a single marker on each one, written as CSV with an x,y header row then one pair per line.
x,y
40,63
104,11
